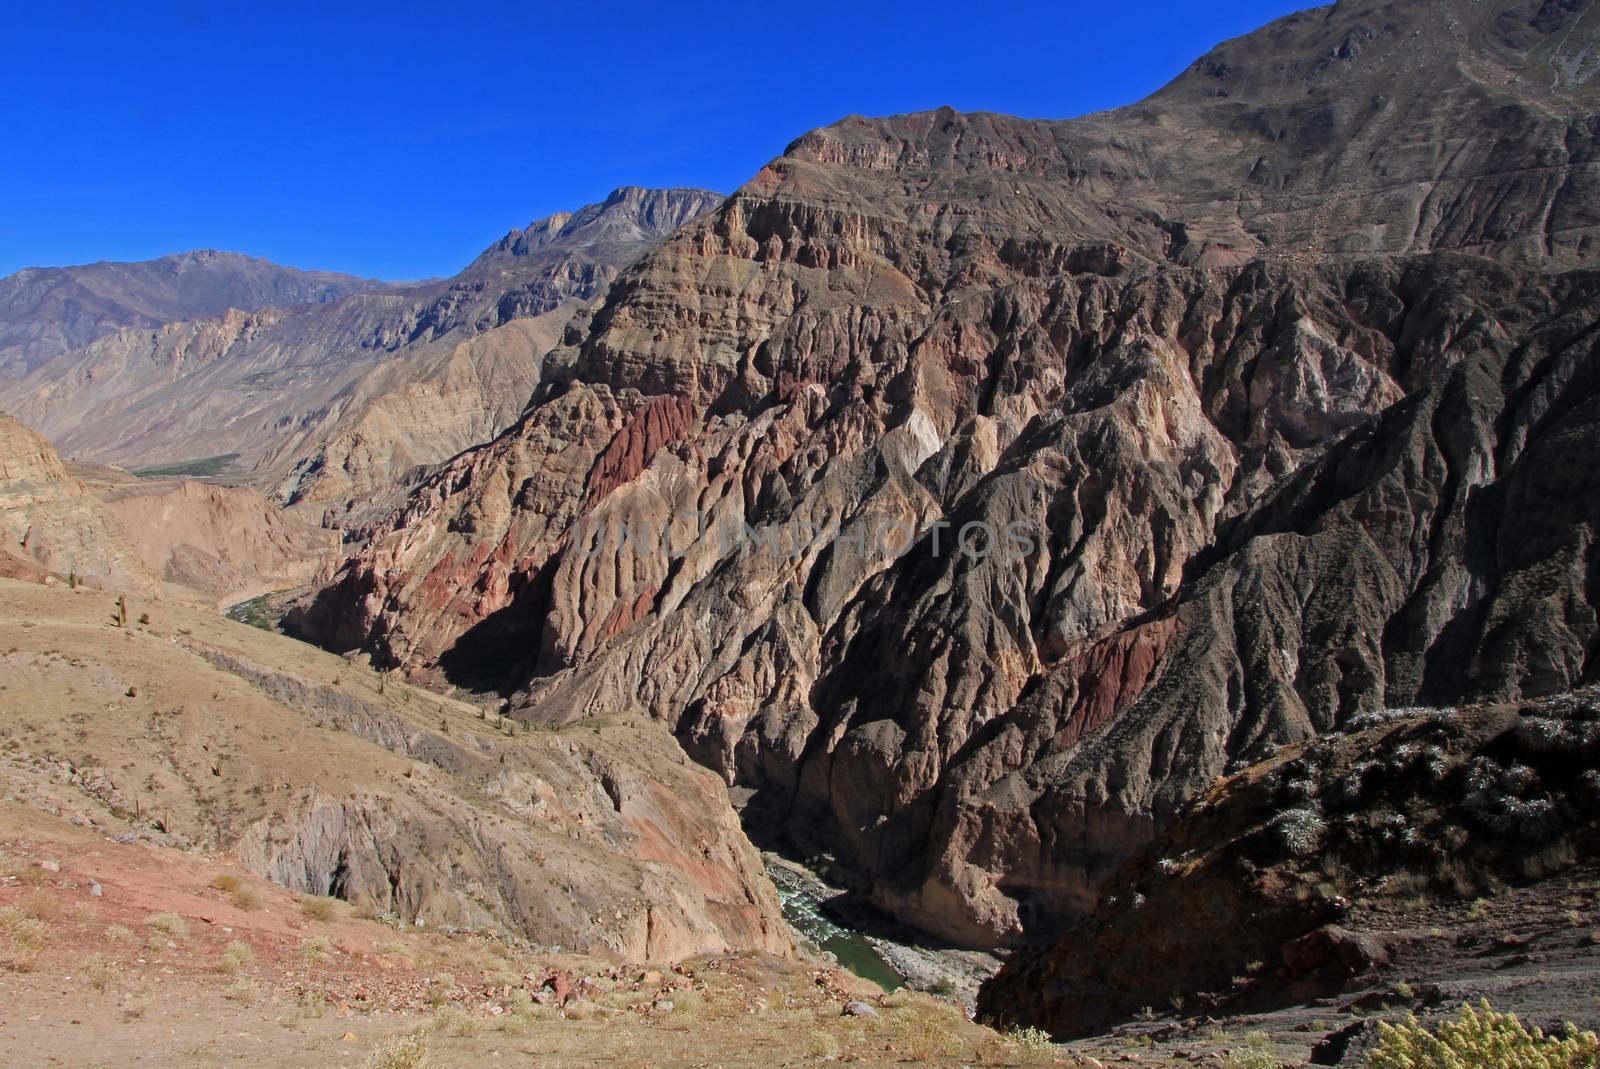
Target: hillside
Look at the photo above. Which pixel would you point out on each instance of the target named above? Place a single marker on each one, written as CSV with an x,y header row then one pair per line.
x,y
192,731
203,543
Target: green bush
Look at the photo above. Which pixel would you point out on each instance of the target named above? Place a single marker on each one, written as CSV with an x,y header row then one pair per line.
x,y
1481,1039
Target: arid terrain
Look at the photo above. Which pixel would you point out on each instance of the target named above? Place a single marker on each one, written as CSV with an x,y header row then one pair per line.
x,y
1133,580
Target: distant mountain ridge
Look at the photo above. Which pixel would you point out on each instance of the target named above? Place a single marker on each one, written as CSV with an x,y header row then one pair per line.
x,y
45,311
330,403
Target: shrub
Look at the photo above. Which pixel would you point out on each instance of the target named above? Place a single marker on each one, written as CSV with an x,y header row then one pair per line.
x,y
22,937
116,933
227,882
407,1052
244,898
168,924
235,956
1254,1058
99,971
318,908
1300,831
245,993
452,1021
317,950
1481,1039
1034,1044
41,905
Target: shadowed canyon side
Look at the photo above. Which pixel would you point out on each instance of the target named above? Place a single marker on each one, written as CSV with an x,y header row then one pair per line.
x,y
1289,369
331,407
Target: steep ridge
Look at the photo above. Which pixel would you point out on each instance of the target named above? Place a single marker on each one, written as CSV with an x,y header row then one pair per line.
x,y
1286,428
48,311
329,405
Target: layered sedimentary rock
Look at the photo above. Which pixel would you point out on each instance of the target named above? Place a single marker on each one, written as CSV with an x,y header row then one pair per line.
x,y
328,406
1274,392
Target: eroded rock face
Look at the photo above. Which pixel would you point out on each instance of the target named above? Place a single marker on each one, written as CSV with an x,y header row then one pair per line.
x,y
1286,428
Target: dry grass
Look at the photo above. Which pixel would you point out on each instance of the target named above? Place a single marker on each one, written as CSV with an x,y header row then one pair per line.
x,y
227,882
22,938
318,908
42,905
245,993
119,934
235,956
168,924
244,898
99,971
315,950
406,1052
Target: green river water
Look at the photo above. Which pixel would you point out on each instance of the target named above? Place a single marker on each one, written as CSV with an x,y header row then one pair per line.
x,y
851,949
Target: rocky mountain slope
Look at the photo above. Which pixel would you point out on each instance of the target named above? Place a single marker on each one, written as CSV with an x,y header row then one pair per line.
x,y
199,542
48,311
1274,393
328,779
326,405
1329,862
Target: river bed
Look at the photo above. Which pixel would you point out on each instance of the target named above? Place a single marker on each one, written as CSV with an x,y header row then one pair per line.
x,y
889,956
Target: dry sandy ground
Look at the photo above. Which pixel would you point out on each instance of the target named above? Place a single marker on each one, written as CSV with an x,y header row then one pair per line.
x,y
118,982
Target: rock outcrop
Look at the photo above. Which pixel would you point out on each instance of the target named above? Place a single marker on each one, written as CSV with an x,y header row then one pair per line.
x,y
1272,395
1251,899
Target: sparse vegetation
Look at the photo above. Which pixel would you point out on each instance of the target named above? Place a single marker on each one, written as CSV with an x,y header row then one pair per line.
x,y
244,898
99,971
41,905
1251,1058
227,882
315,950
1481,1039
22,938
244,992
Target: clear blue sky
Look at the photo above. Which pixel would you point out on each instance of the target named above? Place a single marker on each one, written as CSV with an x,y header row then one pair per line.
x,y
398,139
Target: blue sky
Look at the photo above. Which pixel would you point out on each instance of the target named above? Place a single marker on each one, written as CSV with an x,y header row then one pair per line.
x,y
398,139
